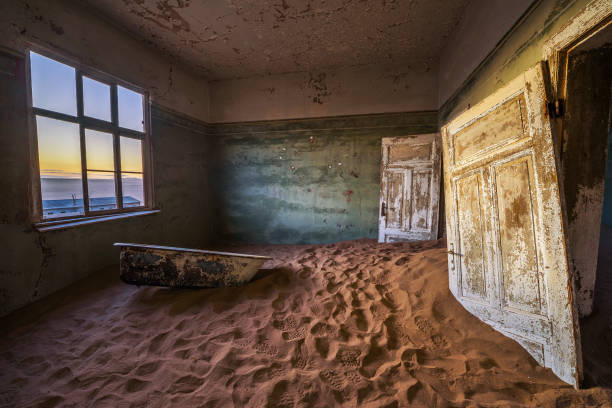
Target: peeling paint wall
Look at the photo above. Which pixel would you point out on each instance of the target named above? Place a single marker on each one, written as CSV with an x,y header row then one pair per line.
x,y
35,264
350,91
71,29
520,51
585,139
304,181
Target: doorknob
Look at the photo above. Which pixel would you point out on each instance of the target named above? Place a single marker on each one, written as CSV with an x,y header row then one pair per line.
x,y
452,252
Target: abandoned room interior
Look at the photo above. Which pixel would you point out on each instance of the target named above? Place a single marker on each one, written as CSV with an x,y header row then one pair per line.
x,y
305,203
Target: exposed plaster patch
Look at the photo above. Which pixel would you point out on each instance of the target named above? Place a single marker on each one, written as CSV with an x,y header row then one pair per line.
x,y
318,85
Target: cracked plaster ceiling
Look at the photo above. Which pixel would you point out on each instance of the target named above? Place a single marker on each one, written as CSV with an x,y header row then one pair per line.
x,y
225,39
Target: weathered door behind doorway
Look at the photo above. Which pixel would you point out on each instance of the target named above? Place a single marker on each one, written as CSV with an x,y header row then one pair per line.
x,y
409,188
507,254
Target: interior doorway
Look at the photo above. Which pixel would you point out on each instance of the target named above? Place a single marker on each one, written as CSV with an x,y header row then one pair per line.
x,y
586,143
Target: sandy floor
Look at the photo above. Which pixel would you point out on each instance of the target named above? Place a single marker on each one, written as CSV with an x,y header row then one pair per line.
x,y
354,323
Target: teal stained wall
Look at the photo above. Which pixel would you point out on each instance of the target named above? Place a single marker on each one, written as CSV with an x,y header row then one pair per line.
x,y
304,181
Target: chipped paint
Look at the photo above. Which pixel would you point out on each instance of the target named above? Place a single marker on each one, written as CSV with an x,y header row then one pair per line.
x,y
515,238
409,188
588,104
185,268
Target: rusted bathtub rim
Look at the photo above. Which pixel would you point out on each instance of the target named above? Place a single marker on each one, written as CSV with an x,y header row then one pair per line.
x,y
199,251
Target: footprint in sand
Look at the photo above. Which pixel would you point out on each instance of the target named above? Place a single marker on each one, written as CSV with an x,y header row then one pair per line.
x,y
281,396
423,324
299,358
280,302
146,369
186,384
332,379
439,341
60,374
298,333
266,348
286,324
355,378
360,319
305,273
412,358
349,357
135,385
402,260
322,346
322,329
332,286
157,342
268,373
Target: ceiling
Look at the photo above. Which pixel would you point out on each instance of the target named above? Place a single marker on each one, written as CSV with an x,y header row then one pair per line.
x,y
225,39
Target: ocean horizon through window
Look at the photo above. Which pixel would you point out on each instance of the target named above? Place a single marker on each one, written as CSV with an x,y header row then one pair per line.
x,y
91,138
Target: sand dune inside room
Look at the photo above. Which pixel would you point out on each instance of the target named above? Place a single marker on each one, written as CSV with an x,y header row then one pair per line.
x,y
349,324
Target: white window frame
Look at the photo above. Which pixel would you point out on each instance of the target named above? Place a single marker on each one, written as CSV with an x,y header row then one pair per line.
x,y
85,122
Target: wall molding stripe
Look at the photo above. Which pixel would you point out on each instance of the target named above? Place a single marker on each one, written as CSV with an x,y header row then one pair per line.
x,y
423,121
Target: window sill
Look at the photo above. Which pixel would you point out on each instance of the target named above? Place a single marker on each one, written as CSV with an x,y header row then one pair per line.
x,y
77,222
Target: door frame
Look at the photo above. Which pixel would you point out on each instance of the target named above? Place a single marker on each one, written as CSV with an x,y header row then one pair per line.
x,y
587,23
594,18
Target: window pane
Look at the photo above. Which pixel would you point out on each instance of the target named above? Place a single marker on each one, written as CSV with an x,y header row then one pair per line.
x,y
131,154
96,99
101,189
59,154
130,109
133,192
53,85
99,148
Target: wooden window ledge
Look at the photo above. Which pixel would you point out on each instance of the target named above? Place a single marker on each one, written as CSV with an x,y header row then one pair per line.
x,y
50,225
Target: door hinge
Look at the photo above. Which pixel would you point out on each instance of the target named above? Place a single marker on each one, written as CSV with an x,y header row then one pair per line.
x,y
556,109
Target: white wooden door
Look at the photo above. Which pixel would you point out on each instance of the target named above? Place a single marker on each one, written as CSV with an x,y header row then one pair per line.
x,y
409,188
507,249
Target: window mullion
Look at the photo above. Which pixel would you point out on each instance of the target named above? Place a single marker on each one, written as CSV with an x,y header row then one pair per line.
x,y
116,146
79,95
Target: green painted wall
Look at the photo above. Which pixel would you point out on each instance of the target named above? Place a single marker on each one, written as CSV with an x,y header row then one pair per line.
x,y
521,49
304,181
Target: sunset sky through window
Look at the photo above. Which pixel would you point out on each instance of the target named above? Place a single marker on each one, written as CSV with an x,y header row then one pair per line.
x,y
54,88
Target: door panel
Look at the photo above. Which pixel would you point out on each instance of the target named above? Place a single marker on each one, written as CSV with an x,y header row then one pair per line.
x,y
409,195
420,199
504,124
406,152
395,198
520,272
507,256
472,238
